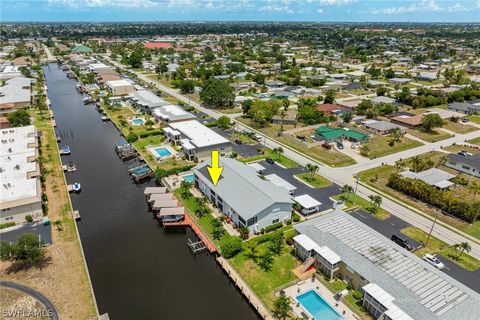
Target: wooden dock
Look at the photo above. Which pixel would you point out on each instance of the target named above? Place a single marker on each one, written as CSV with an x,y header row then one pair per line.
x,y
245,289
189,222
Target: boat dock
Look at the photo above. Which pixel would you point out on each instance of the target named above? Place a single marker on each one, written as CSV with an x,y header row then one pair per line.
x,y
141,172
76,215
126,151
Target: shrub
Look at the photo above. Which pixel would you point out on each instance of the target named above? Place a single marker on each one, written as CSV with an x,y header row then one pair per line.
x,y
349,286
7,224
146,134
212,124
296,217
132,137
289,241
262,231
358,295
29,218
274,227
231,246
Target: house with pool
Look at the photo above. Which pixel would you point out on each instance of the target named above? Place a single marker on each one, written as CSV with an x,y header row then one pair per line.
x,y
243,196
197,140
396,284
146,100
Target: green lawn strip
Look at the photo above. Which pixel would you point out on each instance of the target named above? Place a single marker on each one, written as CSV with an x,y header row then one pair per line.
x,y
378,146
474,118
381,214
315,180
244,138
439,247
434,136
457,148
264,283
475,141
458,127
356,305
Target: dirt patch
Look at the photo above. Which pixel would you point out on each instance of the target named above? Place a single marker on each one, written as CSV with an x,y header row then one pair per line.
x,y
17,305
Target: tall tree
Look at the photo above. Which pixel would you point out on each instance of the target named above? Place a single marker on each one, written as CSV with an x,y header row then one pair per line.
x,y
282,307
217,94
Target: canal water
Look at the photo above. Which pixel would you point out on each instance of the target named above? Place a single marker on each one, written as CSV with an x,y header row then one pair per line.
x,y
138,269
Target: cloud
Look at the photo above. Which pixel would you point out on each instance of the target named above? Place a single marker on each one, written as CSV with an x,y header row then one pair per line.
x,y
320,10
421,6
336,2
276,9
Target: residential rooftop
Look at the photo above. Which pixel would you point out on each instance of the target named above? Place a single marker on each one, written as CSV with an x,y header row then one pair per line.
x,y
198,134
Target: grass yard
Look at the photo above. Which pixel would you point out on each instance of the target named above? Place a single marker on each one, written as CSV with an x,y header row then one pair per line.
x,y
433,136
378,177
458,127
474,118
379,147
244,138
475,141
439,247
264,283
457,148
315,180
381,214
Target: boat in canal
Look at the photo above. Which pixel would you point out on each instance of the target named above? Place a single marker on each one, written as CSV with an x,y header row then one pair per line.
x,y
69,167
65,150
75,187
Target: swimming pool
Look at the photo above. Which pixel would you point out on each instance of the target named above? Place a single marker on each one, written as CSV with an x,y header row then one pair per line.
x,y
189,178
137,122
317,306
162,152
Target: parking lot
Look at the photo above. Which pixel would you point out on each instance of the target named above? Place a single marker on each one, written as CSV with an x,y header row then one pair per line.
x,y
322,195
243,150
393,225
37,228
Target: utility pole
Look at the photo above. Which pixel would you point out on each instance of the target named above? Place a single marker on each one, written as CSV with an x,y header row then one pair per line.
x,y
431,229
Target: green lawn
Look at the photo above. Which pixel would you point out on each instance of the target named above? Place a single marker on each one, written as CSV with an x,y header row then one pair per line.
x,y
315,180
474,118
378,146
381,214
433,136
264,283
475,141
439,247
458,127
456,148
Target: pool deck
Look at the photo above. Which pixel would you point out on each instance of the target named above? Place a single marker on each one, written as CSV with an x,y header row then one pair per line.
x,y
307,285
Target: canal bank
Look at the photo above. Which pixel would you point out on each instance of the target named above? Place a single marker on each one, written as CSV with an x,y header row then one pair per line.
x,y
138,269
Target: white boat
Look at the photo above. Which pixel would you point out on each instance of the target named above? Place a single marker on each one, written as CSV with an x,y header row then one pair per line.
x,y
76,187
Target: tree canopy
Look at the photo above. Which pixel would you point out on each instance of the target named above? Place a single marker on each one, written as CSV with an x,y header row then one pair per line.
x,y
217,94
19,118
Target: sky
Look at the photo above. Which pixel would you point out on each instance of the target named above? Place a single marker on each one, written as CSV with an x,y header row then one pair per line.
x,y
242,10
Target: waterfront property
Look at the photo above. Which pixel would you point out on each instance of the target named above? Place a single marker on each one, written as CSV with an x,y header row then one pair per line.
x,y
146,100
136,121
467,164
197,140
171,113
395,283
120,87
162,152
21,193
248,200
317,307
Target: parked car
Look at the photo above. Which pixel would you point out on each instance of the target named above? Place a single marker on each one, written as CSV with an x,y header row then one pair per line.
x,y
402,242
238,141
301,136
464,153
340,145
270,160
465,120
327,146
433,260
257,137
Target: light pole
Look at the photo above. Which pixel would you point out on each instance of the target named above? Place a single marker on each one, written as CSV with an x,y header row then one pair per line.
x,y
431,229
356,187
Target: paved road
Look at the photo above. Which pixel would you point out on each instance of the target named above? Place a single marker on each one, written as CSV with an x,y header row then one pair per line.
x,y
342,176
37,228
50,308
393,225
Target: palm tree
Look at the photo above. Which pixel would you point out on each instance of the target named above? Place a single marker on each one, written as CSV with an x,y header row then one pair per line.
x,y
278,151
58,224
282,307
460,248
474,188
416,163
400,165
347,189
185,189
282,115
375,201
312,168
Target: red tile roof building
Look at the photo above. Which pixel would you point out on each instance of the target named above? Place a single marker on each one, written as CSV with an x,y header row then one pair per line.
x,y
158,45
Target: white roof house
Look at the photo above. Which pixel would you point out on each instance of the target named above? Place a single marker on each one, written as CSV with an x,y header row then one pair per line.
x,y
276,180
120,87
306,201
172,113
198,134
434,177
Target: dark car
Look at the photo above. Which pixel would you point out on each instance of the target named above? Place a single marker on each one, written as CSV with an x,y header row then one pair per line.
x,y
270,160
340,145
402,242
301,136
327,146
238,141
465,120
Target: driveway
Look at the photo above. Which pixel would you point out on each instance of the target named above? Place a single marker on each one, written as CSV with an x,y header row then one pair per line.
x,y
37,228
322,195
393,225
243,150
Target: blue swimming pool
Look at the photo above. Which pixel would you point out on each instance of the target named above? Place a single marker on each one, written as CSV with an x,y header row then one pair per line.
x,y
317,307
137,122
189,178
162,152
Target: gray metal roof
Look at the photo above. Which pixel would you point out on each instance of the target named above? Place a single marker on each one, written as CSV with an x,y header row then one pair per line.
x,y
432,176
147,99
463,106
419,289
242,188
15,90
383,126
471,161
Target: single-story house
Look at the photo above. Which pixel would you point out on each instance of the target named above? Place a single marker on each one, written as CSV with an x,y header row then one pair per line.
x,y
81,49
248,200
289,118
171,113
427,76
382,127
399,80
197,140
433,176
120,87
333,134
146,100
329,107
466,164
408,121
464,107
383,99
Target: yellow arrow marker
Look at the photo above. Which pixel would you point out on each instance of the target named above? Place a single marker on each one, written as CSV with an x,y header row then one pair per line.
x,y
214,170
